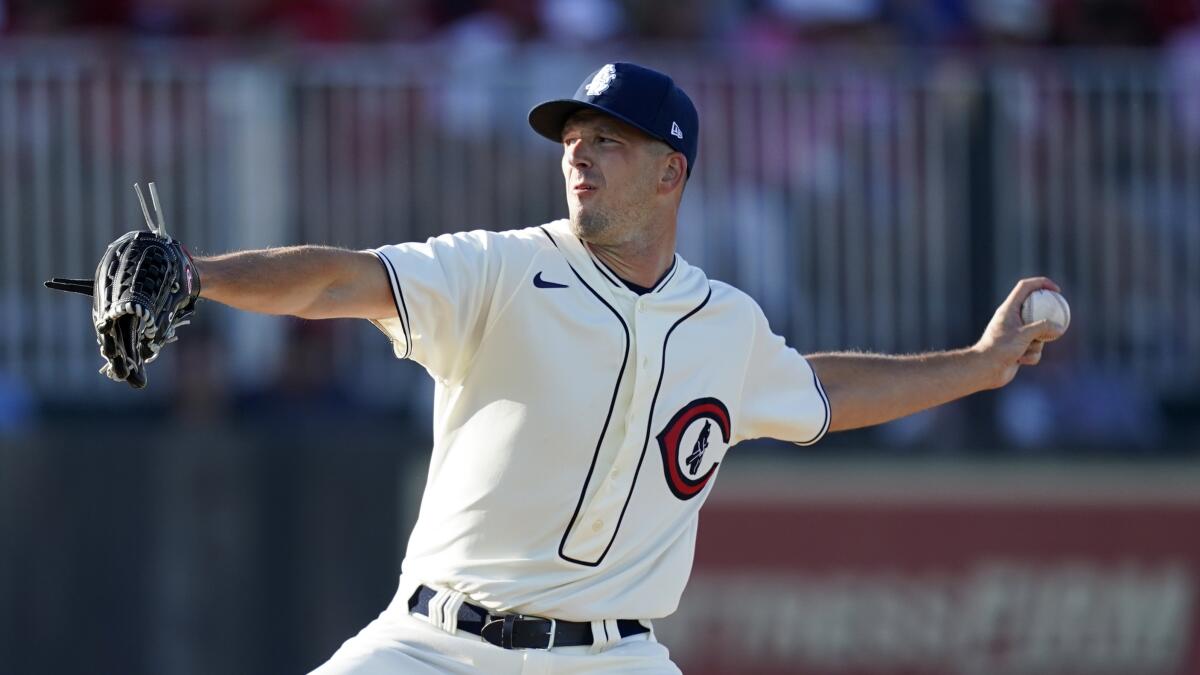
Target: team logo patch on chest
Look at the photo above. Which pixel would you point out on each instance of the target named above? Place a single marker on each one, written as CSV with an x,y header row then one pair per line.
x,y
689,445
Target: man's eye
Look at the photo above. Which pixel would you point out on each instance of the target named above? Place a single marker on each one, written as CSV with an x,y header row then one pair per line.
x,y
605,139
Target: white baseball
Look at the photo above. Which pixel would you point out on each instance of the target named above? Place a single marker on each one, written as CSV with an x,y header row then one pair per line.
x,y
1049,305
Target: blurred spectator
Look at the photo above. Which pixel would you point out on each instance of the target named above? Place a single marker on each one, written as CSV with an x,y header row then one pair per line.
x,y
50,16
938,22
1183,54
582,21
765,28
1103,23
677,21
826,12
1025,21
356,20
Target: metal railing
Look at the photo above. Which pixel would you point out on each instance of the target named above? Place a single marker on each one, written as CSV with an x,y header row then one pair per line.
x,y
1098,183
866,203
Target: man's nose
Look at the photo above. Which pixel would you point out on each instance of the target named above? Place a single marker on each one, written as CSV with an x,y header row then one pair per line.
x,y
578,155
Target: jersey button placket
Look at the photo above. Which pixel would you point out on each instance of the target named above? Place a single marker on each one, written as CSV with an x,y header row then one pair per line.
x,y
645,346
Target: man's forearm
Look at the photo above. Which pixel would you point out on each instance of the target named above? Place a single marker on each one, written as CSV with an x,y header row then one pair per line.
x,y
307,281
867,389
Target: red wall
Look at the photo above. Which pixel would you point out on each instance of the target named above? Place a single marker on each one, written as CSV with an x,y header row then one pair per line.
x,y
1014,586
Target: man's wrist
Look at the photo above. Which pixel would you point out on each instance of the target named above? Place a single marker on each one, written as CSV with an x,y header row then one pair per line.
x,y
979,361
202,274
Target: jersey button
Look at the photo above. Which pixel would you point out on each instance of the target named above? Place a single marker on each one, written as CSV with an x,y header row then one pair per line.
x,y
597,526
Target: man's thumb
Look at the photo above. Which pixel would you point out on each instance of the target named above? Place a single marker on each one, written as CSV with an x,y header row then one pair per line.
x,y
1044,330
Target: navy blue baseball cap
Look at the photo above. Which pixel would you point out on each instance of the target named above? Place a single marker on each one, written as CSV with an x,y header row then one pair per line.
x,y
647,99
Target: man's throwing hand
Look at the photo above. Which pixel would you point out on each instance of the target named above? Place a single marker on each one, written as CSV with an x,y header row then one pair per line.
x,y
1007,342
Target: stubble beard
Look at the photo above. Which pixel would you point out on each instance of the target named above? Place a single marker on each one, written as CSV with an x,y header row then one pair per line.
x,y
612,223
608,225
591,226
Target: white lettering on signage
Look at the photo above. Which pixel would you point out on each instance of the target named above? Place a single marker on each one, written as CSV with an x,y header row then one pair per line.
x,y
995,618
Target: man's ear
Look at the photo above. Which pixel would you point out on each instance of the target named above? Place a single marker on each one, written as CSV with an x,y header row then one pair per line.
x,y
673,173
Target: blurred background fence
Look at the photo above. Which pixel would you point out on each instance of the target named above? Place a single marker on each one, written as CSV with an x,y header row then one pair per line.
x,y
877,174
866,201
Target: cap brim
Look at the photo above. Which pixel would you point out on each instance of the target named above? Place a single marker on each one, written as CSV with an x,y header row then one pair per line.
x,y
549,118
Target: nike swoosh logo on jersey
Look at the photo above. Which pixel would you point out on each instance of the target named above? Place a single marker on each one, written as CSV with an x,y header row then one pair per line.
x,y
542,283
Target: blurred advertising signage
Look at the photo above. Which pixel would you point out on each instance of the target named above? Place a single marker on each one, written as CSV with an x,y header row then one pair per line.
x,y
942,588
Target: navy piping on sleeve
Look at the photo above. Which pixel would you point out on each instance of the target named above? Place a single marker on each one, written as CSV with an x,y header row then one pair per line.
x,y
603,431
397,300
828,411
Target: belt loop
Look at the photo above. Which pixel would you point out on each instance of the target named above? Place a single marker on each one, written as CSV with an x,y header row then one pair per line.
x,y
597,638
614,633
506,634
435,607
553,631
454,601
604,635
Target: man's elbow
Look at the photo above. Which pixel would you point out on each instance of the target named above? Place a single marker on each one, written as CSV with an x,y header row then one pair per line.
x,y
838,421
843,416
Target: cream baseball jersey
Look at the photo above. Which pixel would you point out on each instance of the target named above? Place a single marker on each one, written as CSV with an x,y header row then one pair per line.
x,y
578,426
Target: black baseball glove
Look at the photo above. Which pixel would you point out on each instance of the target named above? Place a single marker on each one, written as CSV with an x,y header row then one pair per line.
x,y
145,288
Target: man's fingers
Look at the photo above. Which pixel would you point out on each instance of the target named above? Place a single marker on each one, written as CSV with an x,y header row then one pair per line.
x,y
1025,287
1042,331
1032,355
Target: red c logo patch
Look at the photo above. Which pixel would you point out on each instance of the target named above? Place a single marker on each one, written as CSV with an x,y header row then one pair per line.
x,y
707,410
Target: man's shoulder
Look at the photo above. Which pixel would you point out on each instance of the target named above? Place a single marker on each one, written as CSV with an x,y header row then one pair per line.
x,y
482,242
523,239
732,298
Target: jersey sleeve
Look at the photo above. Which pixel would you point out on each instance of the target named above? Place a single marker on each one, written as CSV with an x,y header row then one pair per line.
x,y
443,289
782,397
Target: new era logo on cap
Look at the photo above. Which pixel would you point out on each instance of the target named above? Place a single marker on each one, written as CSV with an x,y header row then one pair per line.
x,y
647,99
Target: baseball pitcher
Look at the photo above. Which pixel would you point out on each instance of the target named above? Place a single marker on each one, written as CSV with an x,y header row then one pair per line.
x,y
589,385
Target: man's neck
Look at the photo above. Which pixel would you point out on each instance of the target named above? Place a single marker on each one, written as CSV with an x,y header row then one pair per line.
x,y
642,263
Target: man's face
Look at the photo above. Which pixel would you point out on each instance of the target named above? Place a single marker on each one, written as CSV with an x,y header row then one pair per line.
x,y
611,170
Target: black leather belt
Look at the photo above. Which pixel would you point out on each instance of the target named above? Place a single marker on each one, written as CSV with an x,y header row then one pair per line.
x,y
517,631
